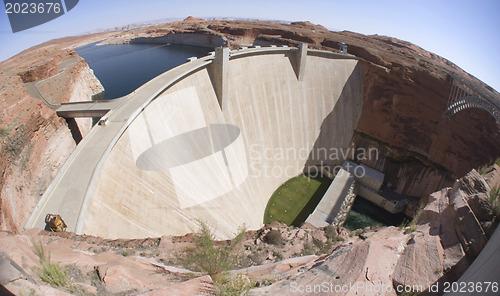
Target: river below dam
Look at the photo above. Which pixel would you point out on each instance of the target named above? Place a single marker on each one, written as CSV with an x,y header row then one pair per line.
x,y
122,68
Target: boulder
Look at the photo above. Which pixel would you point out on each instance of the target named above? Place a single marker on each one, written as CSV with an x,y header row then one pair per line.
x,y
421,263
198,286
467,226
10,271
473,183
438,217
492,175
118,278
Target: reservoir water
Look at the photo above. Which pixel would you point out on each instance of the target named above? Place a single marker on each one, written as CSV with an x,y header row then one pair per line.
x,y
122,68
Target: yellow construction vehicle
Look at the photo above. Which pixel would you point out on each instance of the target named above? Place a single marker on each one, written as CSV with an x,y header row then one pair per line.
x,y
55,223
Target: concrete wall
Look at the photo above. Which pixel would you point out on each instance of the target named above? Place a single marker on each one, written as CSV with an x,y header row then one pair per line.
x,y
184,159
364,174
337,201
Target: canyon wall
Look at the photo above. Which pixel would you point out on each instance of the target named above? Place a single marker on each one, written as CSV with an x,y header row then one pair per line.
x,y
34,141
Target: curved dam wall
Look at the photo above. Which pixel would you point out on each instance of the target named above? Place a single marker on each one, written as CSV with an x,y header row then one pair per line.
x,y
184,159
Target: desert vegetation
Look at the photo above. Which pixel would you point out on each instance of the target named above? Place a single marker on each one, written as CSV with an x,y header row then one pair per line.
x,y
51,272
494,200
216,260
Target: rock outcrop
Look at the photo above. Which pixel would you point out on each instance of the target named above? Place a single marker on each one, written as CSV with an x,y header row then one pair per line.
x,y
451,231
34,141
144,266
191,19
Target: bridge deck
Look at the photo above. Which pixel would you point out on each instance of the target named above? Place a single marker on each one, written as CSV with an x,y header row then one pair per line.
x,y
87,109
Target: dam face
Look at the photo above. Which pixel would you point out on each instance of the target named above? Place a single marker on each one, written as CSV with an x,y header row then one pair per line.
x,y
183,158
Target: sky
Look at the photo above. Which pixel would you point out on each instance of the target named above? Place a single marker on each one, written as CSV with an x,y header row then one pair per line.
x,y
464,32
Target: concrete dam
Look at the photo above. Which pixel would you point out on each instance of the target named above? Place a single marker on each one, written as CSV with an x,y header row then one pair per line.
x,y
210,140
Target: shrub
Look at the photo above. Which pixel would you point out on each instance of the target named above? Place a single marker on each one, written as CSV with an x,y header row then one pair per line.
x,y
412,227
494,200
404,224
274,237
207,257
49,272
277,254
227,285
308,248
323,247
330,231
484,169
52,273
216,261
357,232
3,132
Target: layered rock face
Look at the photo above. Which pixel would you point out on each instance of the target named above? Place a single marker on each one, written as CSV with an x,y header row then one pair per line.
x,y
34,141
458,221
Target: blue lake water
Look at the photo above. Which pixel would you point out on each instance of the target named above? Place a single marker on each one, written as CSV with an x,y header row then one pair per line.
x,y
122,68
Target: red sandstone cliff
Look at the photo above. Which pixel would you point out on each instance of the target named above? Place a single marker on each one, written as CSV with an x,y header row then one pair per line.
x,y
34,141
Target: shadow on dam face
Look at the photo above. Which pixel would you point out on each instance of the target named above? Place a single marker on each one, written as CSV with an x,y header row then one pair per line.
x,y
189,147
182,158
326,151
